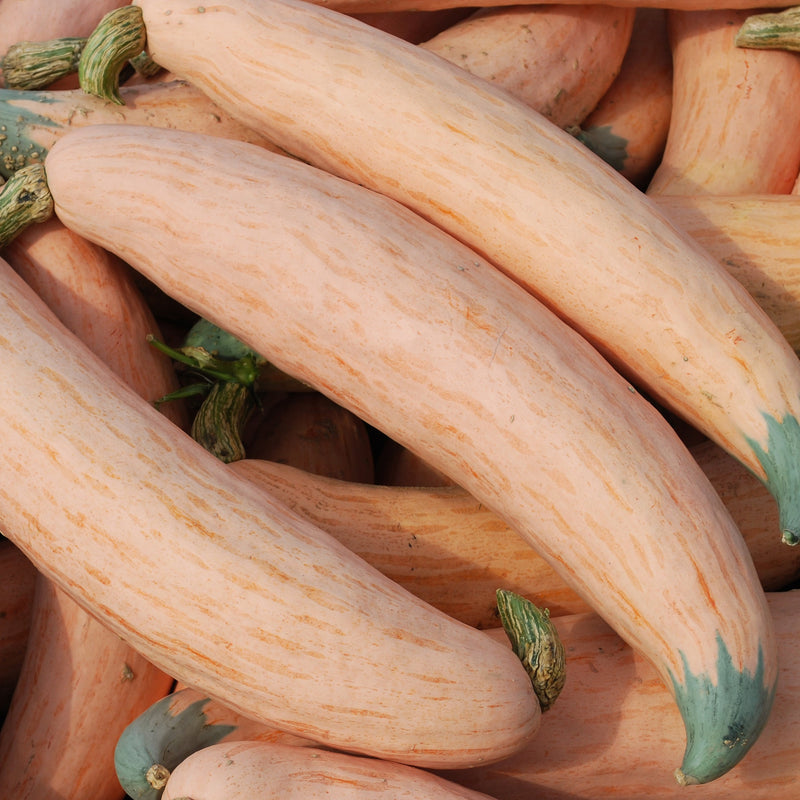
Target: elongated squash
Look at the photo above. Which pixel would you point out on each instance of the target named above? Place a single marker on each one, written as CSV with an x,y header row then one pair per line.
x,y
171,729
311,432
732,129
517,189
559,60
613,729
452,551
47,750
154,536
756,238
463,366
31,121
240,770
628,126
79,686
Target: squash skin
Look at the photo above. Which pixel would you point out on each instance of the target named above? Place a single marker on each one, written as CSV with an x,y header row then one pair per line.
x,y
633,726
520,191
559,60
756,238
628,127
242,770
34,120
448,548
98,472
72,660
500,356
733,123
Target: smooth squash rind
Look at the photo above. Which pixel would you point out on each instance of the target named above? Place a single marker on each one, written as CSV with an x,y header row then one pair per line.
x,y
375,262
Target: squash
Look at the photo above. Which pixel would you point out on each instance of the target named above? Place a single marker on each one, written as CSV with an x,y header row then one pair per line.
x,y
411,25
241,770
72,660
613,731
174,727
755,238
629,125
518,190
558,59
463,366
79,686
732,129
33,120
448,548
398,466
177,726
17,581
159,540
309,431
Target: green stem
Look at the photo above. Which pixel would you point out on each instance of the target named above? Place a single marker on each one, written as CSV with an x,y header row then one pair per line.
x,y
144,65
35,65
24,200
220,420
771,31
536,642
119,36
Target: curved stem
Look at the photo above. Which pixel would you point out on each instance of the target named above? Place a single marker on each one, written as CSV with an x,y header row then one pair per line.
x,y
536,642
24,200
771,31
220,420
144,65
35,65
119,36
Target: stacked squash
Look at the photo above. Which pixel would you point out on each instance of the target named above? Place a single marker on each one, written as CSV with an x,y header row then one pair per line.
x,y
463,275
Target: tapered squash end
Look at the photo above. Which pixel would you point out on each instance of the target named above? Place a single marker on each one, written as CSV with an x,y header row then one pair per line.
x,y
723,715
157,741
781,464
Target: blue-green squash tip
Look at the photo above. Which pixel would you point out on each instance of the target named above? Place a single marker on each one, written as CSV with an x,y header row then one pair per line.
x,y
156,738
723,717
781,464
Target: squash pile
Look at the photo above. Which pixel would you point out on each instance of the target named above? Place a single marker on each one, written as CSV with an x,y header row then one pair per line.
x,y
398,400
